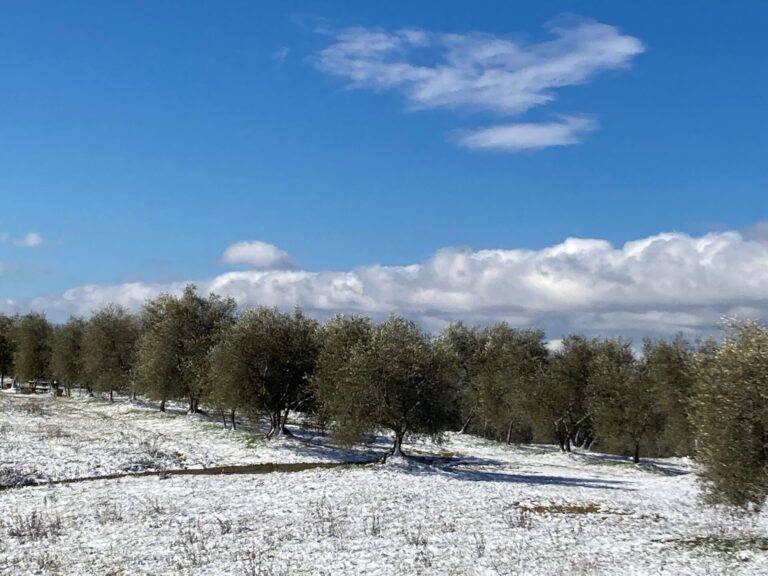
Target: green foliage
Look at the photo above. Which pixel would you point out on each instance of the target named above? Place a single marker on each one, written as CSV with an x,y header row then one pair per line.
x,y
177,336
7,346
333,382
32,357
362,376
730,416
66,352
464,344
562,395
511,363
622,402
670,373
389,375
263,363
108,349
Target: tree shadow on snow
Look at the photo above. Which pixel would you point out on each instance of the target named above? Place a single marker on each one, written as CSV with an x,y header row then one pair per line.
x,y
454,468
652,465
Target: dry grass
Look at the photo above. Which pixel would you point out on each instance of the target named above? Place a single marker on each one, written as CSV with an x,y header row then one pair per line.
x,y
589,508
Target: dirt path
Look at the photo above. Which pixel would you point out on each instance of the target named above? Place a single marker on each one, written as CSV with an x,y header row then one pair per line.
x,y
266,468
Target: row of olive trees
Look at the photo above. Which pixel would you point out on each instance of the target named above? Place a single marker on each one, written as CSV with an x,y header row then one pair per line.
x,y
98,354
588,391
709,401
504,383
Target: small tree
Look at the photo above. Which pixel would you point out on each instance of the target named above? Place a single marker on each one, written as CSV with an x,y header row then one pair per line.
x,y
622,401
335,377
264,362
7,347
176,339
465,346
32,358
109,342
396,378
669,369
730,416
562,392
66,352
510,364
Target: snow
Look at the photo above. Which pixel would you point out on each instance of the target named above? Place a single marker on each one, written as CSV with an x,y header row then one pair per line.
x,y
478,508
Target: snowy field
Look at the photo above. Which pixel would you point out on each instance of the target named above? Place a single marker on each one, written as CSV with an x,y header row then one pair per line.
x,y
480,508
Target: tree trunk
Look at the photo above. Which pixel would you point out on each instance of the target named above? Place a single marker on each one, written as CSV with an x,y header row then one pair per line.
x,y
162,405
466,425
567,442
224,419
636,455
559,436
111,398
277,425
397,449
232,418
509,433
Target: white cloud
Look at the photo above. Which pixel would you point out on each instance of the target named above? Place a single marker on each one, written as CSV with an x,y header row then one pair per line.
x,y
30,240
257,254
281,53
655,285
478,72
526,136
84,300
757,231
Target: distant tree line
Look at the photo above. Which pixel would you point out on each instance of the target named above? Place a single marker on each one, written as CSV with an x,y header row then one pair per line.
x,y
706,400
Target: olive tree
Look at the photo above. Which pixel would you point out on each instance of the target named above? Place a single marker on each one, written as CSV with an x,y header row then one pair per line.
x,y
670,372
390,376
32,357
730,416
177,336
511,362
264,363
465,345
66,352
622,401
562,392
7,347
108,348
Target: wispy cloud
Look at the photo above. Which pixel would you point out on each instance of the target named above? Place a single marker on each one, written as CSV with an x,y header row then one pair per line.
x,y
651,286
29,240
479,72
526,136
258,254
8,268
281,53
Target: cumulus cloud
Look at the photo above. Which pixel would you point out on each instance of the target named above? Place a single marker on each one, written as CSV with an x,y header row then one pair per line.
x,y
29,240
257,254
757,231
651,286
84,300
479,72
527,136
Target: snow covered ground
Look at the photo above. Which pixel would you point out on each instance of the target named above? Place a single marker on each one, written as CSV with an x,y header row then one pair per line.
x,y
482,509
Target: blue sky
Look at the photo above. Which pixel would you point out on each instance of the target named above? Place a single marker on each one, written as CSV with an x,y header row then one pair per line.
x,y
140,140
